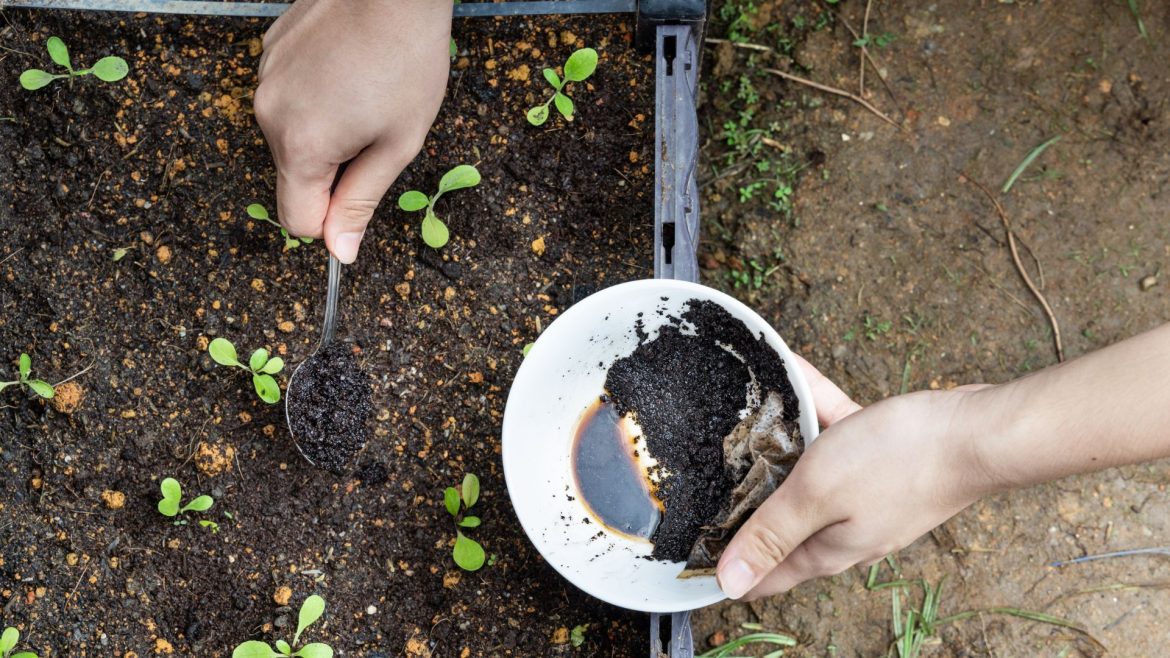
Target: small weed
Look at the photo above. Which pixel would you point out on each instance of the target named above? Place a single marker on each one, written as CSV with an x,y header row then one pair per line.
x,y
753,276
38,386
311,611
109,69
1137,16
580,65
260,365
172,498
8,644
257,211
874,327
880,40
729,649
434,231
468,553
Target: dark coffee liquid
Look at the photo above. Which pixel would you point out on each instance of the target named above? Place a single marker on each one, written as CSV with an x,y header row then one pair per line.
x,y
612,484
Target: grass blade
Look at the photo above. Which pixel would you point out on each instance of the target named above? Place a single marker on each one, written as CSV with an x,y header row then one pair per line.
x,y
1032,155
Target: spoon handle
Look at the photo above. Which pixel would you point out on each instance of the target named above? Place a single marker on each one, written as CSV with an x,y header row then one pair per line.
x,y
334,291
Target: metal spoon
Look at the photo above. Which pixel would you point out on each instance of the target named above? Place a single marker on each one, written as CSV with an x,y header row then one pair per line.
x,y
329,323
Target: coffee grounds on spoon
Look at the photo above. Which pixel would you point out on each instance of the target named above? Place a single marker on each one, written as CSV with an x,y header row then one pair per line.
x,y
328,403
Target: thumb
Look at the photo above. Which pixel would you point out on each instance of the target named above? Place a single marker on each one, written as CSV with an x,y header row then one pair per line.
x,y
357,195
770,535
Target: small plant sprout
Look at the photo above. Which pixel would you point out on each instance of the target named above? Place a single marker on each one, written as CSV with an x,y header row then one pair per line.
x,y
172,498
311,611
109,69
578,67
257,211
260,365
38,386
468,553
8,644
434,231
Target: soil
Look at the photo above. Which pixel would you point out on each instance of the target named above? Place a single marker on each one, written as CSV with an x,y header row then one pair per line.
x,y
328,405
163,165
686,392
881,266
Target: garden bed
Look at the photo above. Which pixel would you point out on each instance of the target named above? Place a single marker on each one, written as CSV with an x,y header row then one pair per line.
x,y
162,165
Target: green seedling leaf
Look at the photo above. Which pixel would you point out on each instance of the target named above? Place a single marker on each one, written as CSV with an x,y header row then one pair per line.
x,y
469,522
538,115
24,654
315,650
413,200
553,79
25,366
110,69
311,611
254,649
274,365
434,231
577,635
564,105
8,640
172,492
200,504
468,553
451,501
266,388
470,489
291,243
223,352
452,49
257,211
210,524
42,388
58,52
258,359
283,647
120,253
34,79
458,178
527,349
581,64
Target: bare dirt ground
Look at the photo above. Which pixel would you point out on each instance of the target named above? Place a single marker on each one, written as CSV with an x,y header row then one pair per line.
x,y
891,273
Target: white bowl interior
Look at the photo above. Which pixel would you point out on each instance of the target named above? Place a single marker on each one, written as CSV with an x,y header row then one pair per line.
x,y
561,376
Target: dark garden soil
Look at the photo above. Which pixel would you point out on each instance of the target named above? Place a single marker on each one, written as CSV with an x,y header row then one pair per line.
x,y
860,242
163,165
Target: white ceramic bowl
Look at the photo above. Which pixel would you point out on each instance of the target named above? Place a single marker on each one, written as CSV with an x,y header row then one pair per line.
x,y
559,378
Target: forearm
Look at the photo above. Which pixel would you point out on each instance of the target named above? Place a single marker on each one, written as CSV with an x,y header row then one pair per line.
x,y
1108,408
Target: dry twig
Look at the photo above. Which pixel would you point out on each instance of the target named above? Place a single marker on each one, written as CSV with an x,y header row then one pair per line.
x,y
1011,240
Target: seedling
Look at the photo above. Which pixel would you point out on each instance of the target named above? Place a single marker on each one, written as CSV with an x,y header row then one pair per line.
x,y
577,635
109,69
578,67
434,231
8,643
172,498
38,386
468,553
260,365
311,611
257,211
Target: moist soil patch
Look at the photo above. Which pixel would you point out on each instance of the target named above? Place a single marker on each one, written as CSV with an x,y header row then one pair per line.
x,y
163,165
328,404
686,392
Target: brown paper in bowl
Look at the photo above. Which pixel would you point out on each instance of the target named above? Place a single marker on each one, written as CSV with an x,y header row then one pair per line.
x,y
759,453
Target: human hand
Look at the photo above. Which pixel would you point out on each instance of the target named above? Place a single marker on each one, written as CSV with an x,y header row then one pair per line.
x,y
874,481
357,81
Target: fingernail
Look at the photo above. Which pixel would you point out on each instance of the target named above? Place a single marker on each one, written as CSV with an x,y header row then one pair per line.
x,y
736,579
345,247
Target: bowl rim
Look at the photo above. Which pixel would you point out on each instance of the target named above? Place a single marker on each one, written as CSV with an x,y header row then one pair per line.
x,y
583,311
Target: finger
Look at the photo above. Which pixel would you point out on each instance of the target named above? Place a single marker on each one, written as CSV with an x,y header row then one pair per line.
x,y
358,193
831,402
785,520
302,196
819,556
